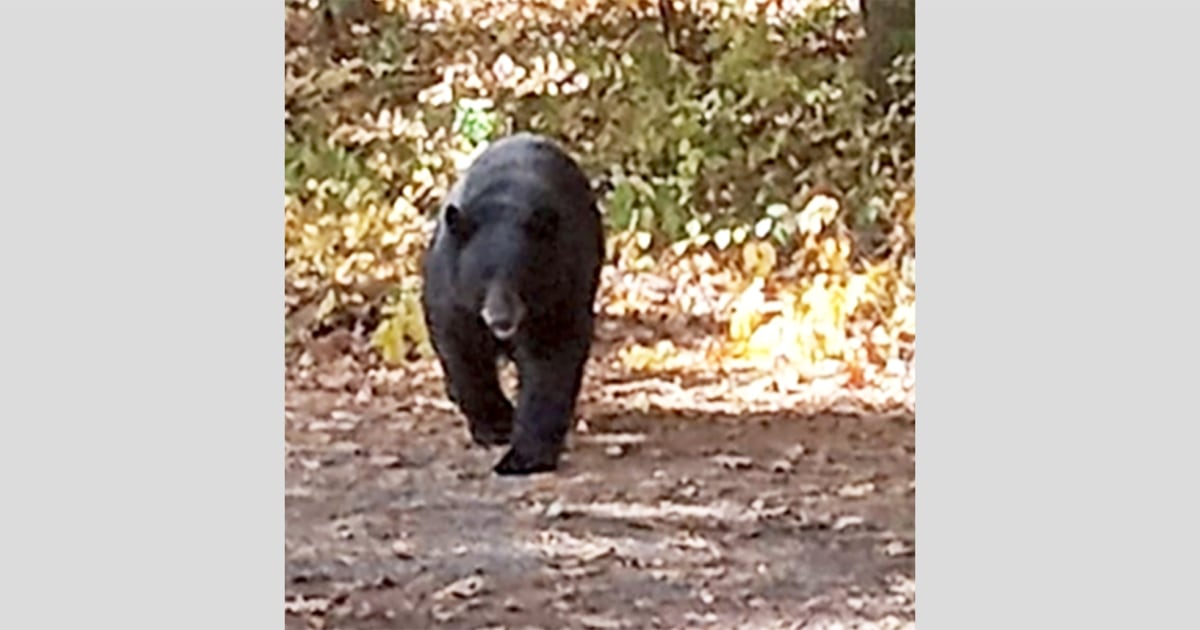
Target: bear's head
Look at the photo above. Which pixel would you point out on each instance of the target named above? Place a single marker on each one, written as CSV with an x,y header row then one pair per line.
x,y
507,255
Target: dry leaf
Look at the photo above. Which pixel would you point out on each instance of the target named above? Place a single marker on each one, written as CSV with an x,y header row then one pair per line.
x,y
463,589
403,549
856,490
301,605
555,509
732,462
445,614
386,461
846,522
781,466
898,548
596,622
595,553
795,452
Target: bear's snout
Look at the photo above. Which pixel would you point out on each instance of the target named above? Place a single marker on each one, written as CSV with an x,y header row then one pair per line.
x,y
502,312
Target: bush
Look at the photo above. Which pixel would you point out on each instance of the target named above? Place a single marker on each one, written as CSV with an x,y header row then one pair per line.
x,y
711,136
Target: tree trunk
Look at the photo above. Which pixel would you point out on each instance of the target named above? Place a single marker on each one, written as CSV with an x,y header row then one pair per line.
x,y
890,30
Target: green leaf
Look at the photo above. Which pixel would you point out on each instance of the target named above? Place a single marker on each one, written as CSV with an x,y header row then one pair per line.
x,y
620,204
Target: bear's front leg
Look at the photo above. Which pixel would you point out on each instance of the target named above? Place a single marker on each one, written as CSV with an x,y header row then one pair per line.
x,y
468,356
550,382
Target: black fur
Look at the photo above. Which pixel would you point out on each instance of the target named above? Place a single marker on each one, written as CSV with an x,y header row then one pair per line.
x,y
522,223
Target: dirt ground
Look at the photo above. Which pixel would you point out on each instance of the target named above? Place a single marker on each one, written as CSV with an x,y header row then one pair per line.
x,y
671,510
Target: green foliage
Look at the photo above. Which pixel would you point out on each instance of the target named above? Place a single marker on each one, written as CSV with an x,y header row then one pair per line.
x,y
715,135
473,120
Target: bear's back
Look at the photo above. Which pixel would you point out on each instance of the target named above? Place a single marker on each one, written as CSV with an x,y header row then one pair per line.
x,y
523,170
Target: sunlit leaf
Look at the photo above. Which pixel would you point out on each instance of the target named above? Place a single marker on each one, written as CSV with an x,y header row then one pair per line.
x,y
722,238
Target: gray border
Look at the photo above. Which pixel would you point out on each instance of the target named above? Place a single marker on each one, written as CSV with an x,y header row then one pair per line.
x,y
141,353
142,469
1056,480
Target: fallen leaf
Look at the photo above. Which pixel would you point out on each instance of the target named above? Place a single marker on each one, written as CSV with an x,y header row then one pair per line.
x,y
463,589
898,548
597,622
846,522
403,549
781,466
335,380
341,415
386,461
444,614
301,605
732,462
856,375
856,490
595,553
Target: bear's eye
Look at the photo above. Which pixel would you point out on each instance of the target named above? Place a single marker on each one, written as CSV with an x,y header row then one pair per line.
x,y
458,222
542,223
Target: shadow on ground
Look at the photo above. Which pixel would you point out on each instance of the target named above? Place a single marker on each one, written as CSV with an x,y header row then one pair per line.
x,y
656,520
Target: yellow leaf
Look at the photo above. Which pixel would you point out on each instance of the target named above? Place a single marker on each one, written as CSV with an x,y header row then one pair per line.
x,y
820,211
758,258
747,311
767,340
830,248
328,304
639,357
385,340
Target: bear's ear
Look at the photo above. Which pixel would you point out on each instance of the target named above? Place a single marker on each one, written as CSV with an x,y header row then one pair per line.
x,y
542,222
457,222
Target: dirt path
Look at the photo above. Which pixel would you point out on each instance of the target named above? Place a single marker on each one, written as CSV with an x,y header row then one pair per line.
x,y
783,520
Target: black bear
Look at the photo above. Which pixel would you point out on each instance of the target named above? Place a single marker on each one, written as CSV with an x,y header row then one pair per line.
x,y
511,272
